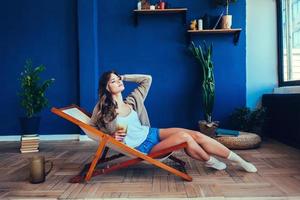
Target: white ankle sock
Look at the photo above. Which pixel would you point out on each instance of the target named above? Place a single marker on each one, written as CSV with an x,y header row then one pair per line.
x,y
215,163
249,167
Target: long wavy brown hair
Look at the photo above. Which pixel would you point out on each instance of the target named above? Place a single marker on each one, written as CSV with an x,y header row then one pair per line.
x,y
106,105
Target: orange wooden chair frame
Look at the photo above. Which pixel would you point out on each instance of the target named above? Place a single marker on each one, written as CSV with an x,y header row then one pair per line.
x,y
102,150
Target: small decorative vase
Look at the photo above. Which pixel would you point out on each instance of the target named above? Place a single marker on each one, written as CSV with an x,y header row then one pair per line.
x,y
226,22
152,7
162,5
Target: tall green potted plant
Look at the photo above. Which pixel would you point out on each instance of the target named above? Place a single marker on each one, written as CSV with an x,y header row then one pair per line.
x,y
204,57
32,95
226,19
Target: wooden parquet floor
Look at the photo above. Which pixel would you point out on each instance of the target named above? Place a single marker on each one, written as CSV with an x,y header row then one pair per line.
x,y
278,175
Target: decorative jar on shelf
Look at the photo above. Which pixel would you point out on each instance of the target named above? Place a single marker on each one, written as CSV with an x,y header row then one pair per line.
x,y
162,5
226,22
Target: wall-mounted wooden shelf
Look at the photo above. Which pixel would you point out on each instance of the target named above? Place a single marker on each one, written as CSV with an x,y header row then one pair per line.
x,y
181,11
236,33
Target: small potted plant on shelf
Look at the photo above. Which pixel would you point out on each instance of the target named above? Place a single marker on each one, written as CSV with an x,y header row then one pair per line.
x,y
204,57
226,19
32,95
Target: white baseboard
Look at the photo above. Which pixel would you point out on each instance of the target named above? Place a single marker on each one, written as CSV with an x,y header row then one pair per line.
x,y
60,137
84,138
49,137
10,138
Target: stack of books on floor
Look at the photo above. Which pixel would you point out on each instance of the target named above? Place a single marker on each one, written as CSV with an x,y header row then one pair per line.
x,y
29,143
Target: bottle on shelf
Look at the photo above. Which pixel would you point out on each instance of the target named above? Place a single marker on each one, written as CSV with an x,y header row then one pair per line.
x,y
139,5
200,24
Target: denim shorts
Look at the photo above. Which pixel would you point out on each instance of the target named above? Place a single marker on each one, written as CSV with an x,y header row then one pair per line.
x,y
151,140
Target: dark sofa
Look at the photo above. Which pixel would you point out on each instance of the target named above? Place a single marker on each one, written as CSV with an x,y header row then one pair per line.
x,y
282,118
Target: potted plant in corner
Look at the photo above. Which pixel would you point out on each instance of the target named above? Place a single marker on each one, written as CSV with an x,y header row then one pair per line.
x,y
226,19
204,57
245,119
32,96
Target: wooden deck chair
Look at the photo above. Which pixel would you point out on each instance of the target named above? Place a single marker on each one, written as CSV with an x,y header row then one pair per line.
x,y
80,117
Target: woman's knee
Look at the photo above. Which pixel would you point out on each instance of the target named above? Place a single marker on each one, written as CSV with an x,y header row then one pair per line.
x,y
184,136
199,137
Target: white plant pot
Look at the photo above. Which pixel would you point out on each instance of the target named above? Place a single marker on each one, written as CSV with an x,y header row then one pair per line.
x,y
226,22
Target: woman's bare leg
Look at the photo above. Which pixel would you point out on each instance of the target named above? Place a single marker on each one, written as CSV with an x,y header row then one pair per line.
x,y
209,145
193,149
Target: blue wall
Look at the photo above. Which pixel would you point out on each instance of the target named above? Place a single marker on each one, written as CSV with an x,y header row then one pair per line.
x,y
46,32
107,39
157,47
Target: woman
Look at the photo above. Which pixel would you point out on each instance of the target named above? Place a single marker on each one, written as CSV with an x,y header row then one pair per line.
x,y
111,111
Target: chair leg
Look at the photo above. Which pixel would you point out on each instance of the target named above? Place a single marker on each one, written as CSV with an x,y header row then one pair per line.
x,y
107,169
96,158
127,163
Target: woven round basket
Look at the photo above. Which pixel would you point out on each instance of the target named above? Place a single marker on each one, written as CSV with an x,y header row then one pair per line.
x,y
244,141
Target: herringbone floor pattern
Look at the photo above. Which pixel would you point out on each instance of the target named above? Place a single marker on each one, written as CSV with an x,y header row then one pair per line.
x,y
278,175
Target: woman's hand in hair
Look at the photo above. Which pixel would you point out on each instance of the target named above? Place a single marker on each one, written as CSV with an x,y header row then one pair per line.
x,y
119,135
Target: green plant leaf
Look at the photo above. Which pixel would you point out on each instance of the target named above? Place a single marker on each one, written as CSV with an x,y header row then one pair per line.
x,y
32,92
204,56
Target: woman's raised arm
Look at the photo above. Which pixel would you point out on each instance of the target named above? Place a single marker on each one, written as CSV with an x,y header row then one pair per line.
x,y
143,80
